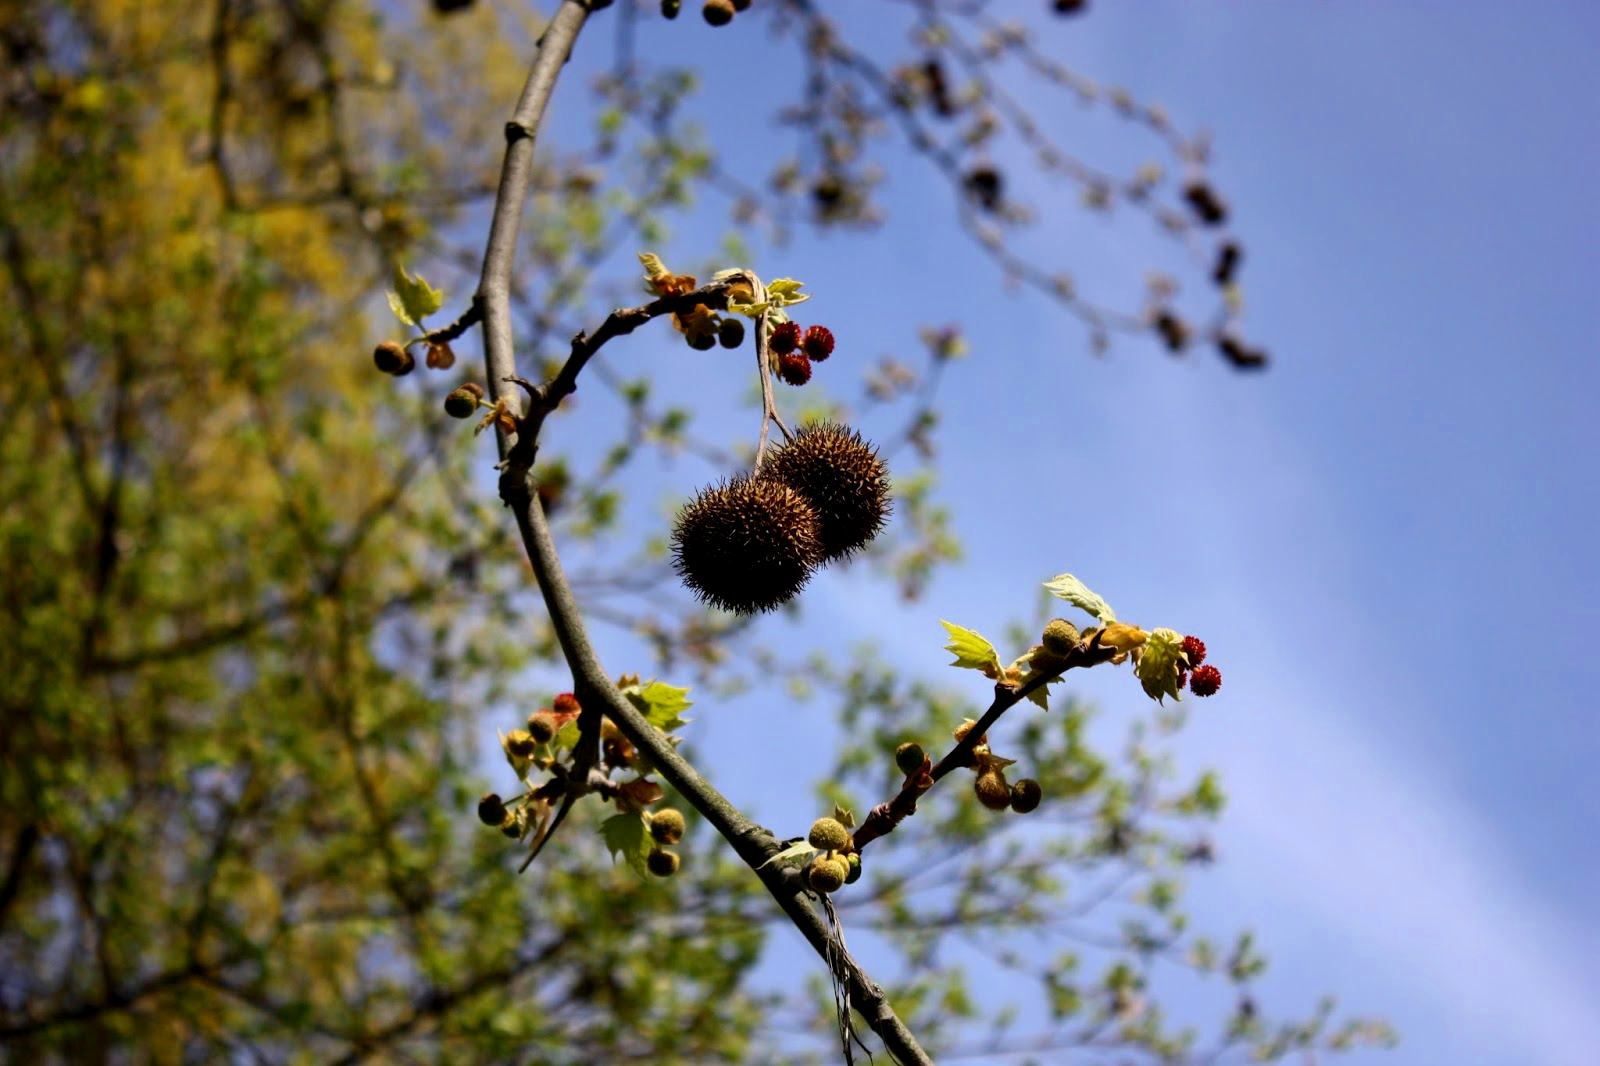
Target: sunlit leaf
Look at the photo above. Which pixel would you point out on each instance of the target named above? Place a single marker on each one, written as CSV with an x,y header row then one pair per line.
x,y
971,650
1077,593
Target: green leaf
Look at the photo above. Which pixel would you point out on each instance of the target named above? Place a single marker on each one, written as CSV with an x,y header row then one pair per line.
x,y
1077,593
413,299
660,703
1157,668
971,650
784,292
844,817
801,850
628,835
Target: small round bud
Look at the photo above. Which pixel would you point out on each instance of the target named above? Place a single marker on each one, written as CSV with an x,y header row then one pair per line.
x,y
909,757
666,826
1205,681
795,369
785,338
391,357
817,343
491,810
828,834
670,8
741,5
826,875
960,733
718,12
1060,636
519,742
731,333
1025,795
566,703
461,404
661,862
853,861
701,342
542,727
992,790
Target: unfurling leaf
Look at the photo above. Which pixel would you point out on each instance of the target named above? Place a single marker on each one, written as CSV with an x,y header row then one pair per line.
x,y
413,299
972,651
1121,636
802,850
1077,593
638,794
628,835
1158,668
660,703
844,817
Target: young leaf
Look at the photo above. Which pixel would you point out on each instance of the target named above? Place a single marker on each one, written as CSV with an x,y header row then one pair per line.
x,y
628,835
413,299
844,817
1077,593
1157,669
971,650
794,851
660,703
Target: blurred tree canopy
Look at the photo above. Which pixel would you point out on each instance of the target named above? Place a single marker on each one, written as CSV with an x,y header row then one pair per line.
x,y
257,598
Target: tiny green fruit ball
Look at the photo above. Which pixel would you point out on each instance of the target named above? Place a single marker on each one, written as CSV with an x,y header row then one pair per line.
x,y
992,790
1025,796
667,825
827,834
909,757
662,863
827,875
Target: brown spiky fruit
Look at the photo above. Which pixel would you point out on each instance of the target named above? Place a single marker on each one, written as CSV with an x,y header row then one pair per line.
x,y
842,477
747,545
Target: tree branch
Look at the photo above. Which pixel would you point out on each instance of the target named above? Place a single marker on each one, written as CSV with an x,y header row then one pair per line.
x,y
591,683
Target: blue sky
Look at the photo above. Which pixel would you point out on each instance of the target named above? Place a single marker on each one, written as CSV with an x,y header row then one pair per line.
x,y
1387,540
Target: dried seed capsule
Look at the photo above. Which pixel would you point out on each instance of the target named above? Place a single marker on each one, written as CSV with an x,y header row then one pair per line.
x,y
843,479
747,545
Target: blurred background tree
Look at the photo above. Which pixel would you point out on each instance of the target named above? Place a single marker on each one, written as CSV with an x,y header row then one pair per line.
x,y
263,610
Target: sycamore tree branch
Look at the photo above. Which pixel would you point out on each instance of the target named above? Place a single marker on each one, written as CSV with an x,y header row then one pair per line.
x,y
883,818
591,684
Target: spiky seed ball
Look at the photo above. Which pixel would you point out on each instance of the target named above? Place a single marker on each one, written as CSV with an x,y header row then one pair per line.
x,y
828,834
491,809
1205,681
666,826
785,338
853,864
817,343
1060,636
718,12
1025,795
909,757
842,477
747,545
519,742
794,368
826,875
1195,649
392,357
992,790
661,862
541,726
731,333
